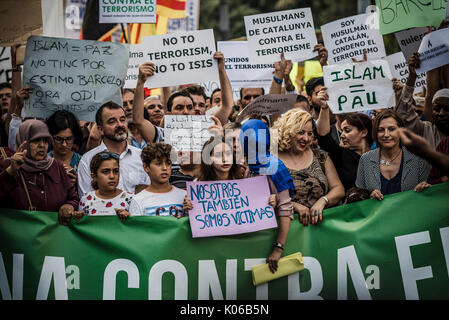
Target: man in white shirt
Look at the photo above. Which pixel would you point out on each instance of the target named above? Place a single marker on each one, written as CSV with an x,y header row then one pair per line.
x,y
113,127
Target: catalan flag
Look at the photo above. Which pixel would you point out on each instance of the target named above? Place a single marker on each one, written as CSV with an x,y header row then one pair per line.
x,y
172,9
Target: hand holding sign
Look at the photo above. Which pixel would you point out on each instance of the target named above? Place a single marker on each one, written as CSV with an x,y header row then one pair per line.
x,y
322,54
146,70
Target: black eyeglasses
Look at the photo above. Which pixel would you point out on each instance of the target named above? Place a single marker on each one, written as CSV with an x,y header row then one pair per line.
x,y
61,140
108,155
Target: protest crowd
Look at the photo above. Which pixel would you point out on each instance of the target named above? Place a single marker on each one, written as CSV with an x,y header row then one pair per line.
x,y
127,162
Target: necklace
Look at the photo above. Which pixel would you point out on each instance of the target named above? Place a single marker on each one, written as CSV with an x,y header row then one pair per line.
x,y
388,162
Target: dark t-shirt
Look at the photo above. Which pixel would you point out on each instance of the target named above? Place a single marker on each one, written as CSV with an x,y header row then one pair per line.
x,y
345,161
179,179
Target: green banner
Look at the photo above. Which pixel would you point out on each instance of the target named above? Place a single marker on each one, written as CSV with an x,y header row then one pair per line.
x,y
400,15
397,248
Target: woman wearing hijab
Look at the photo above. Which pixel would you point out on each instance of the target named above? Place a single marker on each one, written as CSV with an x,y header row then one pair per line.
x,y
255,139
34,181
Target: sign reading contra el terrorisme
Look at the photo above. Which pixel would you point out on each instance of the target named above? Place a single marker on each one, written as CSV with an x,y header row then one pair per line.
x,y
181,58
347,38
127,11
290,32
74,75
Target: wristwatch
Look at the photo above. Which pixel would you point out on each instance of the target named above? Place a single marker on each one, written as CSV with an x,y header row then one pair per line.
x,y
278,245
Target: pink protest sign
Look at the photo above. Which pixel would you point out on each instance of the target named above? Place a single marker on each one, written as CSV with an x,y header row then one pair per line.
x,y
230,207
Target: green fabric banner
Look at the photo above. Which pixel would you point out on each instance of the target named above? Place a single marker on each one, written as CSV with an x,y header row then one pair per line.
x,y
397,248
400,15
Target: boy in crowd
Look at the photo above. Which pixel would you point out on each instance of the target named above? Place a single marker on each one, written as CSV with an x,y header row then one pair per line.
x,y
159,198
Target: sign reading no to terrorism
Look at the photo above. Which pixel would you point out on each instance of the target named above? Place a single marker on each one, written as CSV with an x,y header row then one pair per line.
x,y
290,32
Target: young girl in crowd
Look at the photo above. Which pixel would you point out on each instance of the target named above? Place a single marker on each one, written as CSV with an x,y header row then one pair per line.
x,y
106,199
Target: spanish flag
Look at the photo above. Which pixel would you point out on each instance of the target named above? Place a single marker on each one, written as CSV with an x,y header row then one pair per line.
x,y
165,9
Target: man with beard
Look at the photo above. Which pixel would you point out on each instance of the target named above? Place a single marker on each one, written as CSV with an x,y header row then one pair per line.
x,y
113,127
434,131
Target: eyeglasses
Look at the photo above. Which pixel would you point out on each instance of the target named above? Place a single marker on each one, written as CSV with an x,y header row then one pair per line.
x,y
108,155
7,95
60,140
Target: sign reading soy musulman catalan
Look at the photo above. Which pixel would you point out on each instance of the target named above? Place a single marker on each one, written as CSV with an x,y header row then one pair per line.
x,y
359,86
290,32
348,37
74,75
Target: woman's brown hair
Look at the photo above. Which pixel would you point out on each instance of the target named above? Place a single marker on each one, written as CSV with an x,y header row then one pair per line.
x,y
384,114
207,172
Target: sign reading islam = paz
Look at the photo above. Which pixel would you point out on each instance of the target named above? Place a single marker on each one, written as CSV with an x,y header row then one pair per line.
x,y
290,32
74,75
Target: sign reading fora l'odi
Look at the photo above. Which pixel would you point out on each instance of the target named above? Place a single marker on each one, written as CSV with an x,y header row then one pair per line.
x,y
74,75
230,207
348,37
359,86
290,32
127,11
181,58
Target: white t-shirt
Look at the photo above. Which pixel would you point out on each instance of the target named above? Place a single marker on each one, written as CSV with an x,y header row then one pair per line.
x,y
90,203
157,204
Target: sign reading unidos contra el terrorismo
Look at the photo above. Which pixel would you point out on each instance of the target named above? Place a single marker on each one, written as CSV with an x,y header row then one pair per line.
x,y
348,37
290,32
359,86
181,58
230,207
242,73
127,11
74,75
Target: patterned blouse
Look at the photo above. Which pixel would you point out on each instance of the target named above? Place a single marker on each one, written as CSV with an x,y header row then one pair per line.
x,y
311,182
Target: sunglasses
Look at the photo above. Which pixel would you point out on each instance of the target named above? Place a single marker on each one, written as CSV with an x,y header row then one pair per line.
x,y
108,155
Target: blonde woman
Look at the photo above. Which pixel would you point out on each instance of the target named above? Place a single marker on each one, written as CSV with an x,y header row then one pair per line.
x,y
315,177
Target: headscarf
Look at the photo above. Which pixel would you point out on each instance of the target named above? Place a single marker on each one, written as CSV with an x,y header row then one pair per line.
x,y
255,139
31,130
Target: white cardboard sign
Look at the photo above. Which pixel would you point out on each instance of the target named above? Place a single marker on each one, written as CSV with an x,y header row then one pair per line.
x,y
136,11
181,58
242,73
399,70
348,37
291,32
434,50
356,87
